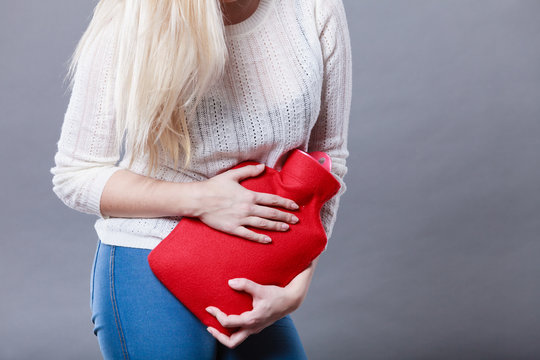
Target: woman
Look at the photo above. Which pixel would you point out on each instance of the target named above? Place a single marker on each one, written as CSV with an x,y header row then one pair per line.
x,y
212,83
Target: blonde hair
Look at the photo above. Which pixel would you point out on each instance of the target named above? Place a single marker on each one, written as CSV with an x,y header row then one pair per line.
x,y
169,53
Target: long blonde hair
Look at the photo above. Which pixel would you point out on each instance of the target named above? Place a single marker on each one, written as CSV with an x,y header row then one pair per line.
x,y
169,53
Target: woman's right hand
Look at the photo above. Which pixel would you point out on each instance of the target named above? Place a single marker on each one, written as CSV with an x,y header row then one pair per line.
x,y
228,206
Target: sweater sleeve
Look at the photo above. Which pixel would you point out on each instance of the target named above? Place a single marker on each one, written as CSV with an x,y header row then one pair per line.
x,y
87,151
330,132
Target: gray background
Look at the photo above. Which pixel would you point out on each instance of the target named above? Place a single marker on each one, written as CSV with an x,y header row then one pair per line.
x,y
436,252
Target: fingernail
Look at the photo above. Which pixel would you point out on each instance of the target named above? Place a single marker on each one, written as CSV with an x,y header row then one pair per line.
x,y
209,309
233,282
295,206
295,219
260,166
284,226
267,239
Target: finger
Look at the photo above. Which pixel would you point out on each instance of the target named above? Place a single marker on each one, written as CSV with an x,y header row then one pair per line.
x,y
238,337
246,285
245,319
252,235
230,341
246,171
272,213
222,338
266,224
274,200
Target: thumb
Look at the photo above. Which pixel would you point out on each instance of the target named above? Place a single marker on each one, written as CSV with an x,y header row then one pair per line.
x,y
247,171
245,285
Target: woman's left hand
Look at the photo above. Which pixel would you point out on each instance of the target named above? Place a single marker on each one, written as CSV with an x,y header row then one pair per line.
x,y
270,303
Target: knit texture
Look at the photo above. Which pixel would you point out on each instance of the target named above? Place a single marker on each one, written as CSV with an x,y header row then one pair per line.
x,y
287,85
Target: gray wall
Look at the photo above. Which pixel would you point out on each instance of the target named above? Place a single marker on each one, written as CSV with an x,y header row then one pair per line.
x,y
436,252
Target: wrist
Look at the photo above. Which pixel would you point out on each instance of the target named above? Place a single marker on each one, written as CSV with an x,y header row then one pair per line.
x,y
296,295
187,199
298,287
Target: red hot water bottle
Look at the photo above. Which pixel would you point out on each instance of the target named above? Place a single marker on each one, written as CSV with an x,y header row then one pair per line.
x,y
196,261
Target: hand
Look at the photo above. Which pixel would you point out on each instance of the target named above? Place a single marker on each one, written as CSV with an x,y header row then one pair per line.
x,y
270,303
228,206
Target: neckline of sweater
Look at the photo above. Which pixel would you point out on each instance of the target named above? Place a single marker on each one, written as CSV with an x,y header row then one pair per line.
x,y
246,26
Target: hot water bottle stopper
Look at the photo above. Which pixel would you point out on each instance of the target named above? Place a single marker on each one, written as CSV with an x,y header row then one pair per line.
x,y
195,261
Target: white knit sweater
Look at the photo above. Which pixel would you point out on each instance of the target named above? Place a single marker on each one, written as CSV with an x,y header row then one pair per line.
x,y
287,85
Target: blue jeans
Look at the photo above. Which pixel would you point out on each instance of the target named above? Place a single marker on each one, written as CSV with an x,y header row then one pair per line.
x,y
136,317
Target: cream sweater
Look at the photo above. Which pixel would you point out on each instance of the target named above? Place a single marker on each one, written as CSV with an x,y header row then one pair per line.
x,y
287,85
